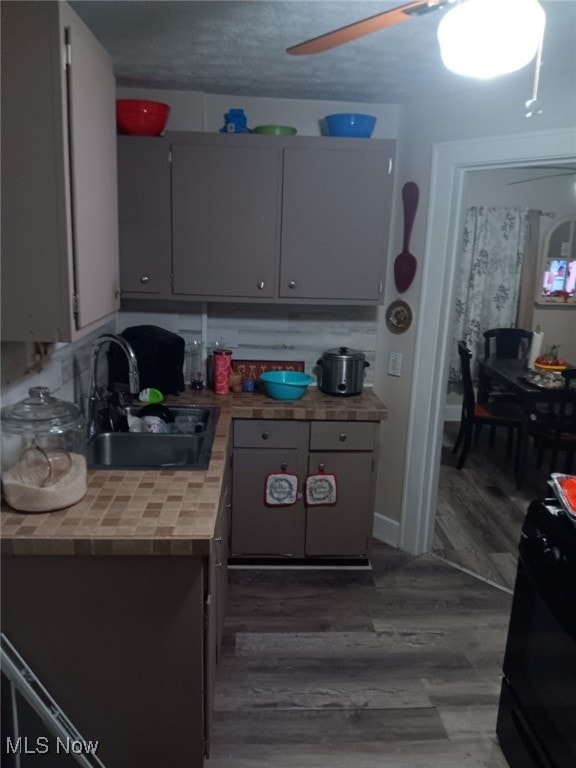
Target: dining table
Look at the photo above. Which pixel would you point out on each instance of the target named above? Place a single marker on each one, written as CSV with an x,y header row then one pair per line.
x,y
532,392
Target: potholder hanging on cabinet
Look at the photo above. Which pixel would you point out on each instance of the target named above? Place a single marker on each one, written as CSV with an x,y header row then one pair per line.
x,y
320,490
280,489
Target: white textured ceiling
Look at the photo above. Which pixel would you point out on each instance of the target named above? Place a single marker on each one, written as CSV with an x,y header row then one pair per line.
x,y
238,47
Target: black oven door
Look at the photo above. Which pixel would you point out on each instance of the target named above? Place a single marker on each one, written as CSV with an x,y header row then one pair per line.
x,y
537,718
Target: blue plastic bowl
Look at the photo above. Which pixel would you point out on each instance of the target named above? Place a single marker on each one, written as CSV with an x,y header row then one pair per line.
x,y
351,125
286,385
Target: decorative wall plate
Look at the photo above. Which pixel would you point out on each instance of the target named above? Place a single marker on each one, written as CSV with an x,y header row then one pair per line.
x,y
398,317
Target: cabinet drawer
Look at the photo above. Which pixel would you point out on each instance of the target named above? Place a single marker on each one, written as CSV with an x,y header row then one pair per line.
x,y
264,433
342,436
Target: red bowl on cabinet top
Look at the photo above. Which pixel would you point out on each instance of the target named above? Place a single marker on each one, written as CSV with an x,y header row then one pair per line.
x,y
137,117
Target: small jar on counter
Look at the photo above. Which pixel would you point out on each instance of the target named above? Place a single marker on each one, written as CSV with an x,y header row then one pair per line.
x,y
235,382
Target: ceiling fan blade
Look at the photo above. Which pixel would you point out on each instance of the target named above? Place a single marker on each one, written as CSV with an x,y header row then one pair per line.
x,y
365,27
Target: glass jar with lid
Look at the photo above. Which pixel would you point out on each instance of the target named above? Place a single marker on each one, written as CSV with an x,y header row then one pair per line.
x,y
43,453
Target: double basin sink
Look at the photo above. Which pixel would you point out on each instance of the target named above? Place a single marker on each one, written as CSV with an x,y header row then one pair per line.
x,y
147,450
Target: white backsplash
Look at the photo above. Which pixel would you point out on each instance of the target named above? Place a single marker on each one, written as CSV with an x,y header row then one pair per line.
x,y
273,332
256,332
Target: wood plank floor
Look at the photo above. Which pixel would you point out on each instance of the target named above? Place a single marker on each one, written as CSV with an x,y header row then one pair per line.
x,y
394,667
479,512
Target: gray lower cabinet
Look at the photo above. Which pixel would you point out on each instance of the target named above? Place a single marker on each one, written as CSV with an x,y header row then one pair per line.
x,y
215,607
126,645
265,447
59,192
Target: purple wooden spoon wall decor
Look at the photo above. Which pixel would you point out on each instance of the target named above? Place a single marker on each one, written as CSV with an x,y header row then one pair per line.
x,y
405,263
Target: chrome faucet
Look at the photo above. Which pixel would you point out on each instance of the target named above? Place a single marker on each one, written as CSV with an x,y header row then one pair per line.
x,y
95,397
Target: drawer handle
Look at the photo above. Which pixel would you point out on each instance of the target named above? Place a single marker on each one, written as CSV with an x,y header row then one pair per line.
x,y
145,279
218,539
218,565
342,437
265,435
261,284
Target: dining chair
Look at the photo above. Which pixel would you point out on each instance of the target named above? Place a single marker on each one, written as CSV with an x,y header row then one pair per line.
x,y
476,415
509,343
557,431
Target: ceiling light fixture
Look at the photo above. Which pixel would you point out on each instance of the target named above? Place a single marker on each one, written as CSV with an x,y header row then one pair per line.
x,y
488,38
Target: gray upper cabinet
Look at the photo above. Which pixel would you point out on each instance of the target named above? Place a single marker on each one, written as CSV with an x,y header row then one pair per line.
x,y
144,214
60,272
297,219
335,214
225,204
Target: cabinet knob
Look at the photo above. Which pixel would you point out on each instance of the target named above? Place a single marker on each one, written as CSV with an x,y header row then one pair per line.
x,y
261,284
265,435
144,279
342,437
218,565
321,467
283,466
218,539
292,284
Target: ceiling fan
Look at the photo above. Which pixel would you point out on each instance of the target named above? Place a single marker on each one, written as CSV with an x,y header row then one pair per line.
x,y
374,23
478,38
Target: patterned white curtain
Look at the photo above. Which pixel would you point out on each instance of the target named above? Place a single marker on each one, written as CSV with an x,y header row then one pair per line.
x,y
489,282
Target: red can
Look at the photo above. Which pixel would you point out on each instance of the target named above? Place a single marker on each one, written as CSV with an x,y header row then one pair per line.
x,y
221,371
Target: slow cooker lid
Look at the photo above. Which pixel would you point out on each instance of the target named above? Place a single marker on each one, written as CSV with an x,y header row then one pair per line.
x,y
343,353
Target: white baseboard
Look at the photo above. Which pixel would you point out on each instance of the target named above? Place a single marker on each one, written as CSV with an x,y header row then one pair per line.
x,y
386,530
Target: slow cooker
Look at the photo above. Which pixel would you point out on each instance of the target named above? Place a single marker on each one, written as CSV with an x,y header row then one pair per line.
x,y
342,371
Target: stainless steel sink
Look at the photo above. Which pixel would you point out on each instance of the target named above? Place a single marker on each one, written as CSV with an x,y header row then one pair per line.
x,y
144,450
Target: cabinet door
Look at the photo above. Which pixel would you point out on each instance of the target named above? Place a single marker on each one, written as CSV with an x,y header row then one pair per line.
x,y
335,223
59,200
144,209
344,529
225,220
92,118
215,604
256,528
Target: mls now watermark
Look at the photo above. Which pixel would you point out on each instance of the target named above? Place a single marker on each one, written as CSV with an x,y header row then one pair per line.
x,y
42,745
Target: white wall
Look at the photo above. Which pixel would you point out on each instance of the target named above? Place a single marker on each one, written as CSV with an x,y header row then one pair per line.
x,y
486,109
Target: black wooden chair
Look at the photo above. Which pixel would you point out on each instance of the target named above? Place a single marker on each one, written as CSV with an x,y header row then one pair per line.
x,y
509,343
557,431
475,415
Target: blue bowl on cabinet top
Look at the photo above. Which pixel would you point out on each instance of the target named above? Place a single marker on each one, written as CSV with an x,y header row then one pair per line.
x,y
351,125
286,385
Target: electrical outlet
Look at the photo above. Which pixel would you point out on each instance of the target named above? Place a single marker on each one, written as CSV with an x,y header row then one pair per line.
x,y
395,364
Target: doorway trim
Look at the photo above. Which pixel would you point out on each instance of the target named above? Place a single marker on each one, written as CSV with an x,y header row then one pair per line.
x,y
451,162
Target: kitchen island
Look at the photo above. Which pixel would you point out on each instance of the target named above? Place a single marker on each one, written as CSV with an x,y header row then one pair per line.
x,y
117,603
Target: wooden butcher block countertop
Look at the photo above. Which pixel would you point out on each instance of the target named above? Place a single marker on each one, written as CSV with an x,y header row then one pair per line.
x,y
165,512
